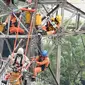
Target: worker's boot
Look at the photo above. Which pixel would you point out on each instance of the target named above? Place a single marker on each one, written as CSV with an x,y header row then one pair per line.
x,y
4,81
33,78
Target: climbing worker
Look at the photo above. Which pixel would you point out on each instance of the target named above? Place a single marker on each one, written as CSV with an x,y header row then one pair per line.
x,y
42,62
17,60
53,25
13,24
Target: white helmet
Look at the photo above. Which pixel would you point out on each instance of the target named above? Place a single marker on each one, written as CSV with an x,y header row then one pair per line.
x,y
20,51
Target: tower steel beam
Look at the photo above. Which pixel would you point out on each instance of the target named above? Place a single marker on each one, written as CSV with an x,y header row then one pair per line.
x,y
50,1
66,33
44,8
75,8
69,20
77,20
51,11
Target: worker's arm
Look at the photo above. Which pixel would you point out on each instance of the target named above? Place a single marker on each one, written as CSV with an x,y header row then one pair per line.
x,y
26,61
43,62
35,59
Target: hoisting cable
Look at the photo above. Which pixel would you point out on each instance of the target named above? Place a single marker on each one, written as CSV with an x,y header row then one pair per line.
x,y
53,75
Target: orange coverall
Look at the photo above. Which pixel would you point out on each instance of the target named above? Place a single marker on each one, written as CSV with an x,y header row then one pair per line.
x,y
14,25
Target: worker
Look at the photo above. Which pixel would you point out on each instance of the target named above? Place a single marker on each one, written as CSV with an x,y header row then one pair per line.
x,y
42,62
17,60
13,24
53,25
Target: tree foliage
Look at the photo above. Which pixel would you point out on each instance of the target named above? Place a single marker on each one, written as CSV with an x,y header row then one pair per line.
x,y
72,60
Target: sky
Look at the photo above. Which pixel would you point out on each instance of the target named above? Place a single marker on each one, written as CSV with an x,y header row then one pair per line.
x,y
78,3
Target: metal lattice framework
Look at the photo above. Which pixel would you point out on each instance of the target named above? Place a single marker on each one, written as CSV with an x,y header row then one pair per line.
x,y
43,6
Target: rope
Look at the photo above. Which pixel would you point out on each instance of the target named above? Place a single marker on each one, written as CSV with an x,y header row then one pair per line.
x,y
30,32
28,37
15,42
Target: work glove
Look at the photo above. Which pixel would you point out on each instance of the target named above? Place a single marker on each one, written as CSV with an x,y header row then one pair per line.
x,y
4,23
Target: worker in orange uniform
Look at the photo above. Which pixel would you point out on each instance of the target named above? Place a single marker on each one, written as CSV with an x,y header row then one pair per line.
x,y
42,62
13,24
53,25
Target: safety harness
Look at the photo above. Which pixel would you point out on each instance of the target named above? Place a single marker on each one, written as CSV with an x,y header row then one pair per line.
x,y
42,66
16,58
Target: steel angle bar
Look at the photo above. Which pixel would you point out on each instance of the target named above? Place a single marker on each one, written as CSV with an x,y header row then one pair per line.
x,y
66,34
53,2
69,20
8,46
54,35
3,2
18,20
51,49
80,26
77,20
1,15
62,14
4,67
51,12
8,25
21,23
1,62
44,8
75,8
18,44
70,10
13,36
1,33
25,6
50,1
83,16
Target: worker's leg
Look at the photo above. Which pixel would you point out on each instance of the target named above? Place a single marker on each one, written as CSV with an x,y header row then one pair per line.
x,y
7,76
36,71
